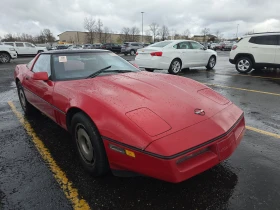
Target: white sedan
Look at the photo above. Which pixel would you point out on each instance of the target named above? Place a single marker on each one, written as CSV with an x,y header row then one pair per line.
x,y
174,55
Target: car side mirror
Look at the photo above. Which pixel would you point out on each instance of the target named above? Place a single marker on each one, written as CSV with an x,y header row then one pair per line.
x,y
40,76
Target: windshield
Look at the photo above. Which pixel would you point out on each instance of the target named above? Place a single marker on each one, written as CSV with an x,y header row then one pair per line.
x,y
161,44
81,65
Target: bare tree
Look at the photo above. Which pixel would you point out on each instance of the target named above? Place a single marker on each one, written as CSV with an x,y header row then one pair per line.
x,y
186,34
125,36
219,35
148,37
134,34
177,36
48,35
106,35
89,25
9,38
99,29
154,28
164,32
205,32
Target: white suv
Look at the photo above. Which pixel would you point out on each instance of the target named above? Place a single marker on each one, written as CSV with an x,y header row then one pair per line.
x,y
256,51
25,48
7,53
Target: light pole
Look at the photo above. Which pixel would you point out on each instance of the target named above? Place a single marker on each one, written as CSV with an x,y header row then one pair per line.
x,y
237,31
142,25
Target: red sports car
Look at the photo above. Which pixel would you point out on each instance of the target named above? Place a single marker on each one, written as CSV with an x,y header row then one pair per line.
x,y
131,121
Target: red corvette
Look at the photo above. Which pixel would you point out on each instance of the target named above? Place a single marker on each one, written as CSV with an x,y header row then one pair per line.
x,y
158,125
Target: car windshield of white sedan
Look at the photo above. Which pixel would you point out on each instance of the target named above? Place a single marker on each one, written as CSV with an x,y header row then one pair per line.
x,y
81,65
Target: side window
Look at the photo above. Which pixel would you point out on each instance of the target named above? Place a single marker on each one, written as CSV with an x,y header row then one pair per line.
x,y
43,64
136,45
182,45
19,45
196,45
264,40
28,45
12,44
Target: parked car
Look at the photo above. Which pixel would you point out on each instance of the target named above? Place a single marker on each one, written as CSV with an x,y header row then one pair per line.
x,y
75,47
256,51
112,47
214,46
61,47
127,120
174,55
131,47
26,48
88,46
7,53
226,45
97,46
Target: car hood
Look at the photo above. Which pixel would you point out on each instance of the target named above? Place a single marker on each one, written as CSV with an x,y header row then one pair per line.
x,y
168,101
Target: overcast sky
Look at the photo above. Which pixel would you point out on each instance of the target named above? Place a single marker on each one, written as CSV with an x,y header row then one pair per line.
x,y
31,16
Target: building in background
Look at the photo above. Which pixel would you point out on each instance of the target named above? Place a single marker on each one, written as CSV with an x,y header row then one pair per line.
x,y
80,37
206,38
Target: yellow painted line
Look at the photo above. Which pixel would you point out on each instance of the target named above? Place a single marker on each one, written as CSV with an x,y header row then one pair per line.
x,y
66,185
243,75
236,88
263,132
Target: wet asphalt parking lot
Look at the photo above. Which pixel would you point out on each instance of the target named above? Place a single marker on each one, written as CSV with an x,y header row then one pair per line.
x,y
54,178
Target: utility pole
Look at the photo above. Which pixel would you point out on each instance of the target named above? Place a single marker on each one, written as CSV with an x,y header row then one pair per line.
x,y
237,31
142,25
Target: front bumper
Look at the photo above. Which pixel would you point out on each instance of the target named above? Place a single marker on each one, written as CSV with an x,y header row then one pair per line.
x,y
13,54
179,168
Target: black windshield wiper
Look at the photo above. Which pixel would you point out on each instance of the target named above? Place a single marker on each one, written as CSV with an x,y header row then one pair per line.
x,y
102,70
98,72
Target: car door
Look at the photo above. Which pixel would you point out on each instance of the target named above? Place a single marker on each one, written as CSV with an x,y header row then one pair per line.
x,y
200,55
183,51
264,48
21,50
39,93
30,48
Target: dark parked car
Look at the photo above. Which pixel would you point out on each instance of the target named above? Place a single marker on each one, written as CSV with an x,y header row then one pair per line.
x,y
112,47
61,47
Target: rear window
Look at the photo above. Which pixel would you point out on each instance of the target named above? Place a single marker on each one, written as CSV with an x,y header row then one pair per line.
x,y
161,44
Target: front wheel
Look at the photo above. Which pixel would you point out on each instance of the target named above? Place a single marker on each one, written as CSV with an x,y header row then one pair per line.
x,y
211,62
89,145
5,57
25,105
244,65
175,67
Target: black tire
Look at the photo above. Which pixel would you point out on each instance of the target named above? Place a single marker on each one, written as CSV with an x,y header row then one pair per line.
x,y
150,70
211,62
175,69
132,52
244,65
84,130
5,57
27,108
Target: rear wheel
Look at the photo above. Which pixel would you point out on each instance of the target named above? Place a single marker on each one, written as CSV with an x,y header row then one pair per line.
x,y
25,105
211,62
244,65
132,52
5,57
175,66
89,145
150,70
